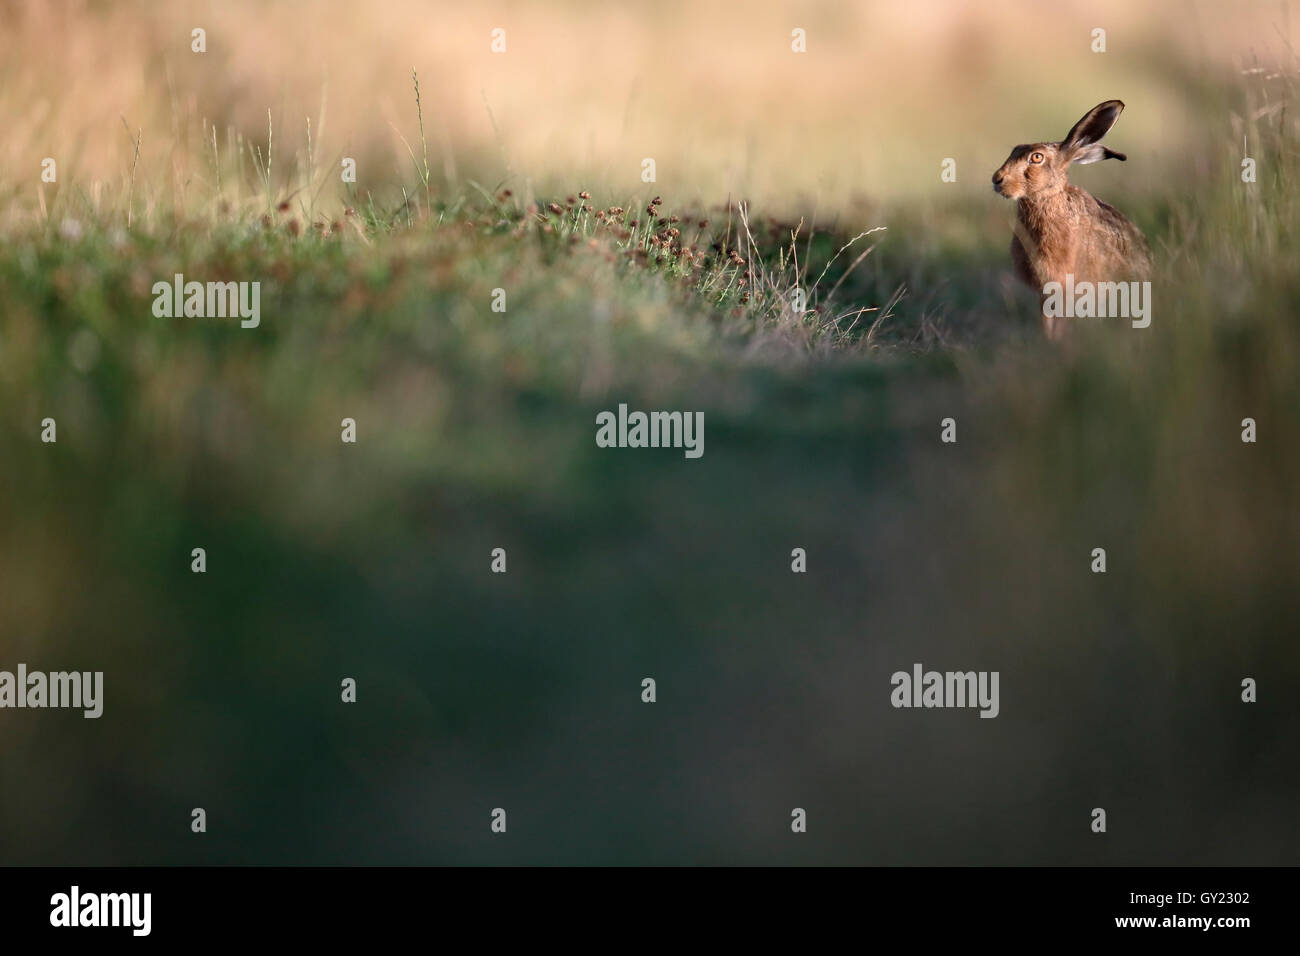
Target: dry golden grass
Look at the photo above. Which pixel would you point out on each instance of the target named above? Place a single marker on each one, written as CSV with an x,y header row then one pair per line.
x,y
710,90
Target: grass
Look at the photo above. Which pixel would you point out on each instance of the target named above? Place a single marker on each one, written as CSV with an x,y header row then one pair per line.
x,y
476,430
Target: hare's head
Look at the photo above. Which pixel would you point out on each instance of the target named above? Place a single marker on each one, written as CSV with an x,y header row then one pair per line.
x,y
1041,169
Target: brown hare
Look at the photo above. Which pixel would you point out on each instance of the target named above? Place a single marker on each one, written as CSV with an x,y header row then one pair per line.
x,y
1062,230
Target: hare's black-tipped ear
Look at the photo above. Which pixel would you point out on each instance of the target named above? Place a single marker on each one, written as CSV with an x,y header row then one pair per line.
x,y
1094,153
1095,124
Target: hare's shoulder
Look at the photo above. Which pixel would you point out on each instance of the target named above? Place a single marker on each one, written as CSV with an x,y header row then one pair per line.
x,y
1107,218
1124,237
1117,222
1108,213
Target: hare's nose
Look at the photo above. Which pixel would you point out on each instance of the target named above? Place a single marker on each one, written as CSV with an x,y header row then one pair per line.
x,y
997,178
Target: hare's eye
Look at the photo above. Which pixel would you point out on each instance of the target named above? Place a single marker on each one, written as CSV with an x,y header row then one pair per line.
x,y
1035,157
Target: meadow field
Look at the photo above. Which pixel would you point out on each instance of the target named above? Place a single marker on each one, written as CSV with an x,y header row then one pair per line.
x,y
797,271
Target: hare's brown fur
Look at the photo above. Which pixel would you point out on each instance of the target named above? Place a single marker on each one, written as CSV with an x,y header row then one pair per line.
x,y
1061,229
